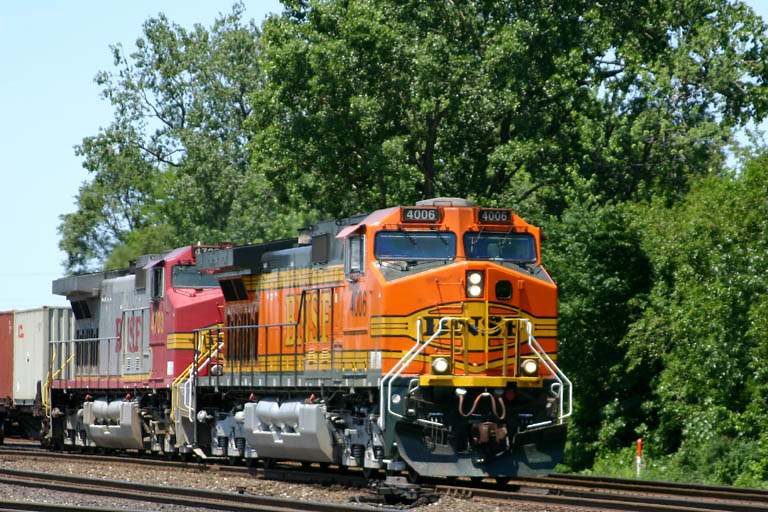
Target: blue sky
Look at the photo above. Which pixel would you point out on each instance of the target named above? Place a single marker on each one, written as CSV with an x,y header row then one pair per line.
x,y
51,52
48,102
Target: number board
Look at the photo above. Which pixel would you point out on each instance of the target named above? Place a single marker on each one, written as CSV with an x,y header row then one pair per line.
x,y
488,216
420,214
200,249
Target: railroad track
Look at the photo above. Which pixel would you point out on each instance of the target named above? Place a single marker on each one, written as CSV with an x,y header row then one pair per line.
x,y
559,489
652,486
629,500
150,493
291,472
618,494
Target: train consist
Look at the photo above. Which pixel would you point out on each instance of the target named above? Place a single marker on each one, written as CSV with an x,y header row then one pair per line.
x,y
417,338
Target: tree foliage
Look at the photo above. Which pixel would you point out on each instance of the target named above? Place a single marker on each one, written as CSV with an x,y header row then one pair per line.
x,y
603,275
172,168
372,103
704,322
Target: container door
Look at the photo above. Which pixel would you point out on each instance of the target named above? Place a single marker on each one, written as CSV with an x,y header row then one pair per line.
x,y
6,355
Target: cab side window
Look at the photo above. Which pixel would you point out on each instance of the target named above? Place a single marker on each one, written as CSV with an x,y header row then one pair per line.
x,y
158,283
355,256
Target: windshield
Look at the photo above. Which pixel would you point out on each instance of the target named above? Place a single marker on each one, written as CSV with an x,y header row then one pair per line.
x,y
520,247
415,245
185,276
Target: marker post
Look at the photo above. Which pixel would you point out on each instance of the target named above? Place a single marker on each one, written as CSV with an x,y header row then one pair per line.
x,y
639,458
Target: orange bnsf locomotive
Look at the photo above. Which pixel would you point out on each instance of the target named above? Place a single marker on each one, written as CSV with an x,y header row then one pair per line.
x,y
417,338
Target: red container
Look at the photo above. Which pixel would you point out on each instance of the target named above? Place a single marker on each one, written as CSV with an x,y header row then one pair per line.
x,y
6,355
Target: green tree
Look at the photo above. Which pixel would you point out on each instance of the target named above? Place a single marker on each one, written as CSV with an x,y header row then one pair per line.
x,y
595,256
371,103
172,168
700,340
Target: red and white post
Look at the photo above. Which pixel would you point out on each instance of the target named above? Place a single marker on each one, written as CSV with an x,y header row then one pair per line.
x,y
639,459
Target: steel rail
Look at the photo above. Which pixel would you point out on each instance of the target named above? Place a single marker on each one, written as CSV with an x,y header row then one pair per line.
x,y
713,491
9,506
287,471
177,496
605,501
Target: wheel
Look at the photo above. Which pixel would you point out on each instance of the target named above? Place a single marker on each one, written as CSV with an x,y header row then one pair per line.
x,y
306,464
324,466
170,455
391,499
502,480
234,461
185,456
413,476
251,462
370,473
268,463
476,479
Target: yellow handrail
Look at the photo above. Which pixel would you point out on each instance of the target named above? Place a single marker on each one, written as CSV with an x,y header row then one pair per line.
x,y
47,385
203,353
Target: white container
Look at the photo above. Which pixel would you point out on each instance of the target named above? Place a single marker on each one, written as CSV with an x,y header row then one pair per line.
x,y
33,329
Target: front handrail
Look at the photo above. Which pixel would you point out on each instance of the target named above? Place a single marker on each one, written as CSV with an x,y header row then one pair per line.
x,y
402,364
50,377
556,372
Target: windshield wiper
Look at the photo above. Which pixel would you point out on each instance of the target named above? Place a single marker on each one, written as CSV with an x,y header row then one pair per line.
x,y
505,240
474,241
409,236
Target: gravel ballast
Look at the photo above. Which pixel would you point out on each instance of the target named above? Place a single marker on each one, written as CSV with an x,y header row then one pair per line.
x,y
212,479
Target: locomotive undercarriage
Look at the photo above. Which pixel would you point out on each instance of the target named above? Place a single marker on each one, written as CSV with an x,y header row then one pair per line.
x,y
476,432
99,419
327,426
434,431
431,430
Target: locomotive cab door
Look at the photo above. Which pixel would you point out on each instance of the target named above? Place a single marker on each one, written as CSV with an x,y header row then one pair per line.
x,y
355,303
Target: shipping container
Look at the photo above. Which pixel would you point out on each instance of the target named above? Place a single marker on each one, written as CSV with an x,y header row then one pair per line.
x,y
33,329
6,357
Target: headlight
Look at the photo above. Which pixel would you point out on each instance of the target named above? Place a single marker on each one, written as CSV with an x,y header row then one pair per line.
x,y
529,367
440,366
474,283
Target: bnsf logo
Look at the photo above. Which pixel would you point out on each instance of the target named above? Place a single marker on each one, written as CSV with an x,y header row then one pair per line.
x,y
429,326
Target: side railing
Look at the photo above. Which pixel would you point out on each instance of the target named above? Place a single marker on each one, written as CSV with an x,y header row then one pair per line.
x,y
82,359
385,388
50,377
183,386
564,382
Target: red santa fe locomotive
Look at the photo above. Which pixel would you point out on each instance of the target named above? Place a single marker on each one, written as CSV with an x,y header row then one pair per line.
x,y
110,387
